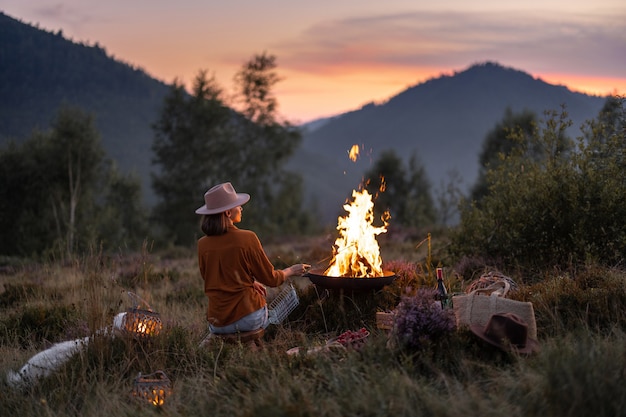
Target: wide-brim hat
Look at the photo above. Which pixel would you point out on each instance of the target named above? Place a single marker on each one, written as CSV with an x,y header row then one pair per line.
x,y
507,331
220,198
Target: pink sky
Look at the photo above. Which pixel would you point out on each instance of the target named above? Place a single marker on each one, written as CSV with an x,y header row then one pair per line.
x,y
336,56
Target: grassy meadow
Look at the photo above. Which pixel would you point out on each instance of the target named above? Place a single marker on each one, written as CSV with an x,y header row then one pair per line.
x,y
579,370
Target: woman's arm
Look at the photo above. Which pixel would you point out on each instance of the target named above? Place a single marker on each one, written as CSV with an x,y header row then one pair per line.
x,y
297,269
263,270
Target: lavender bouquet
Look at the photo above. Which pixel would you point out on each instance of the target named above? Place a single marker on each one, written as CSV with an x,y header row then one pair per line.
x,y
420,319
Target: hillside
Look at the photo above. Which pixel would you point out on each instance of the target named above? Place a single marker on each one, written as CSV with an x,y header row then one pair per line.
x,y
444,121
41,70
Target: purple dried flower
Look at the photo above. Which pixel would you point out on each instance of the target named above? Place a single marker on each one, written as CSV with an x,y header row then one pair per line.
x,y
420,319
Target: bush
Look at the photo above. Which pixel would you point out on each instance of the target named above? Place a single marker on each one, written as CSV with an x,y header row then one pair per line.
x,y
39,324
594,298
550,204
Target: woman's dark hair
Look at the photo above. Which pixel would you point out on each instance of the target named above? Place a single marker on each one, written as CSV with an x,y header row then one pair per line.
x,y
215,224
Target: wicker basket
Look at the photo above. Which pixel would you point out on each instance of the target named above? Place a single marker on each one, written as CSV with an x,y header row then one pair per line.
x,y
284,303
142,322
384,320
154,388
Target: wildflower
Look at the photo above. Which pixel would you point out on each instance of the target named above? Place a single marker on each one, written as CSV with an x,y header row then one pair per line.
x,y
420,319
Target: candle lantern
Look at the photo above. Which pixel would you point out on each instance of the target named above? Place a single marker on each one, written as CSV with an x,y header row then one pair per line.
x,y
142,322
153,388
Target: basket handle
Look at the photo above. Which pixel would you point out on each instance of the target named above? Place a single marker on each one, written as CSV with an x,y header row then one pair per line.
x,y
499,288
155,375
137,301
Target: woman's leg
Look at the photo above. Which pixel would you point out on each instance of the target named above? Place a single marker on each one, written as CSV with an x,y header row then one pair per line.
x,y
253,321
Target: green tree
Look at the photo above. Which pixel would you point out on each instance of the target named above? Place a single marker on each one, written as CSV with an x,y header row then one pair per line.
x,y
609,124
56,189
611,118
122,220
75,147
265,145
448,197
25,217
403,191
601,166
192,147
554,208
513,131
200,141
255,95
419,206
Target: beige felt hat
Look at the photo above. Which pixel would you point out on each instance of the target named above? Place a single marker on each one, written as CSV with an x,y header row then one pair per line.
x,y
506,330
220,198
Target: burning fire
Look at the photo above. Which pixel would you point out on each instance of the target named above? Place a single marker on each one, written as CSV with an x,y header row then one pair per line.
x,y
353,154
356,253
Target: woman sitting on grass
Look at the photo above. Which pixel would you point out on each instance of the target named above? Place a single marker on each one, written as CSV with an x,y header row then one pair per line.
x,y
234,265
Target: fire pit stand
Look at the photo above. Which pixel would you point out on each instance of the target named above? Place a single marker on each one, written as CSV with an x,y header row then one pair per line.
x,y
318,278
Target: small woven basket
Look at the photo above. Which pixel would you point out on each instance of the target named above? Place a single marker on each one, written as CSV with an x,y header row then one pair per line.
x,y
284,303
142,322
154,388
385,319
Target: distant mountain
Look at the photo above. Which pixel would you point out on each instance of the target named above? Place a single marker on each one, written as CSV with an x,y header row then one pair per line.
x,y
41,70
315,124
443,120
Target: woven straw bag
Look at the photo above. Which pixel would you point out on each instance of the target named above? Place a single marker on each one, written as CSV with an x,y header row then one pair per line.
x,y
478,306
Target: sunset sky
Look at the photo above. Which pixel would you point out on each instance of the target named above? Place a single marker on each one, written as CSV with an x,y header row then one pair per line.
x,y
337,55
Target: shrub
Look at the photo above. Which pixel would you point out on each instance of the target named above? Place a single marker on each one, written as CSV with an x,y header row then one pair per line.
x,y
38,324
550,204
15,293
593,298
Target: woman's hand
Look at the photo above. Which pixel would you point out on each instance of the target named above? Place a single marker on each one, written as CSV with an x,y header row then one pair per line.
x,y
260,288
297,269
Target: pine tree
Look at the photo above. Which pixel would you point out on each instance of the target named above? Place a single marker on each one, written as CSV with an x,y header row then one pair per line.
x,y
266,145
403,191
193,147
59,193
200,142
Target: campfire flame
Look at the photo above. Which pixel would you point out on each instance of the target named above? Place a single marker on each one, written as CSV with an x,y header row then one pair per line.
x,y
356,253
353,154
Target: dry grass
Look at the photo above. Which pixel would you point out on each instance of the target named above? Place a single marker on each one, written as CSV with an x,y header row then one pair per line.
x,y
579,370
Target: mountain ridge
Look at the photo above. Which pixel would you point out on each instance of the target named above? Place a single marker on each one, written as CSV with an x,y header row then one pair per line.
x,y
42,70
443,120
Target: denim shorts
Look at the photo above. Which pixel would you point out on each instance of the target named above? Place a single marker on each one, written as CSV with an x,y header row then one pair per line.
x,y
253,321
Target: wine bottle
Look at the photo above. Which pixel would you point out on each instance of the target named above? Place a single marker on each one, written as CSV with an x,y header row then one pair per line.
x,y
441,288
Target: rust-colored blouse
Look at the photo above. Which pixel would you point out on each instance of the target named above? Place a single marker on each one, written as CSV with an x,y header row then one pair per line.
x,y
229,264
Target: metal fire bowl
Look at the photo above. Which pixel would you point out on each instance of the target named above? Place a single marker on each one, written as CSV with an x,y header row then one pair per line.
x,y
318,278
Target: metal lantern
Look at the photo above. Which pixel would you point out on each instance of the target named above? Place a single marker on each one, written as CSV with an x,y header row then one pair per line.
x,y
153,388
142,322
